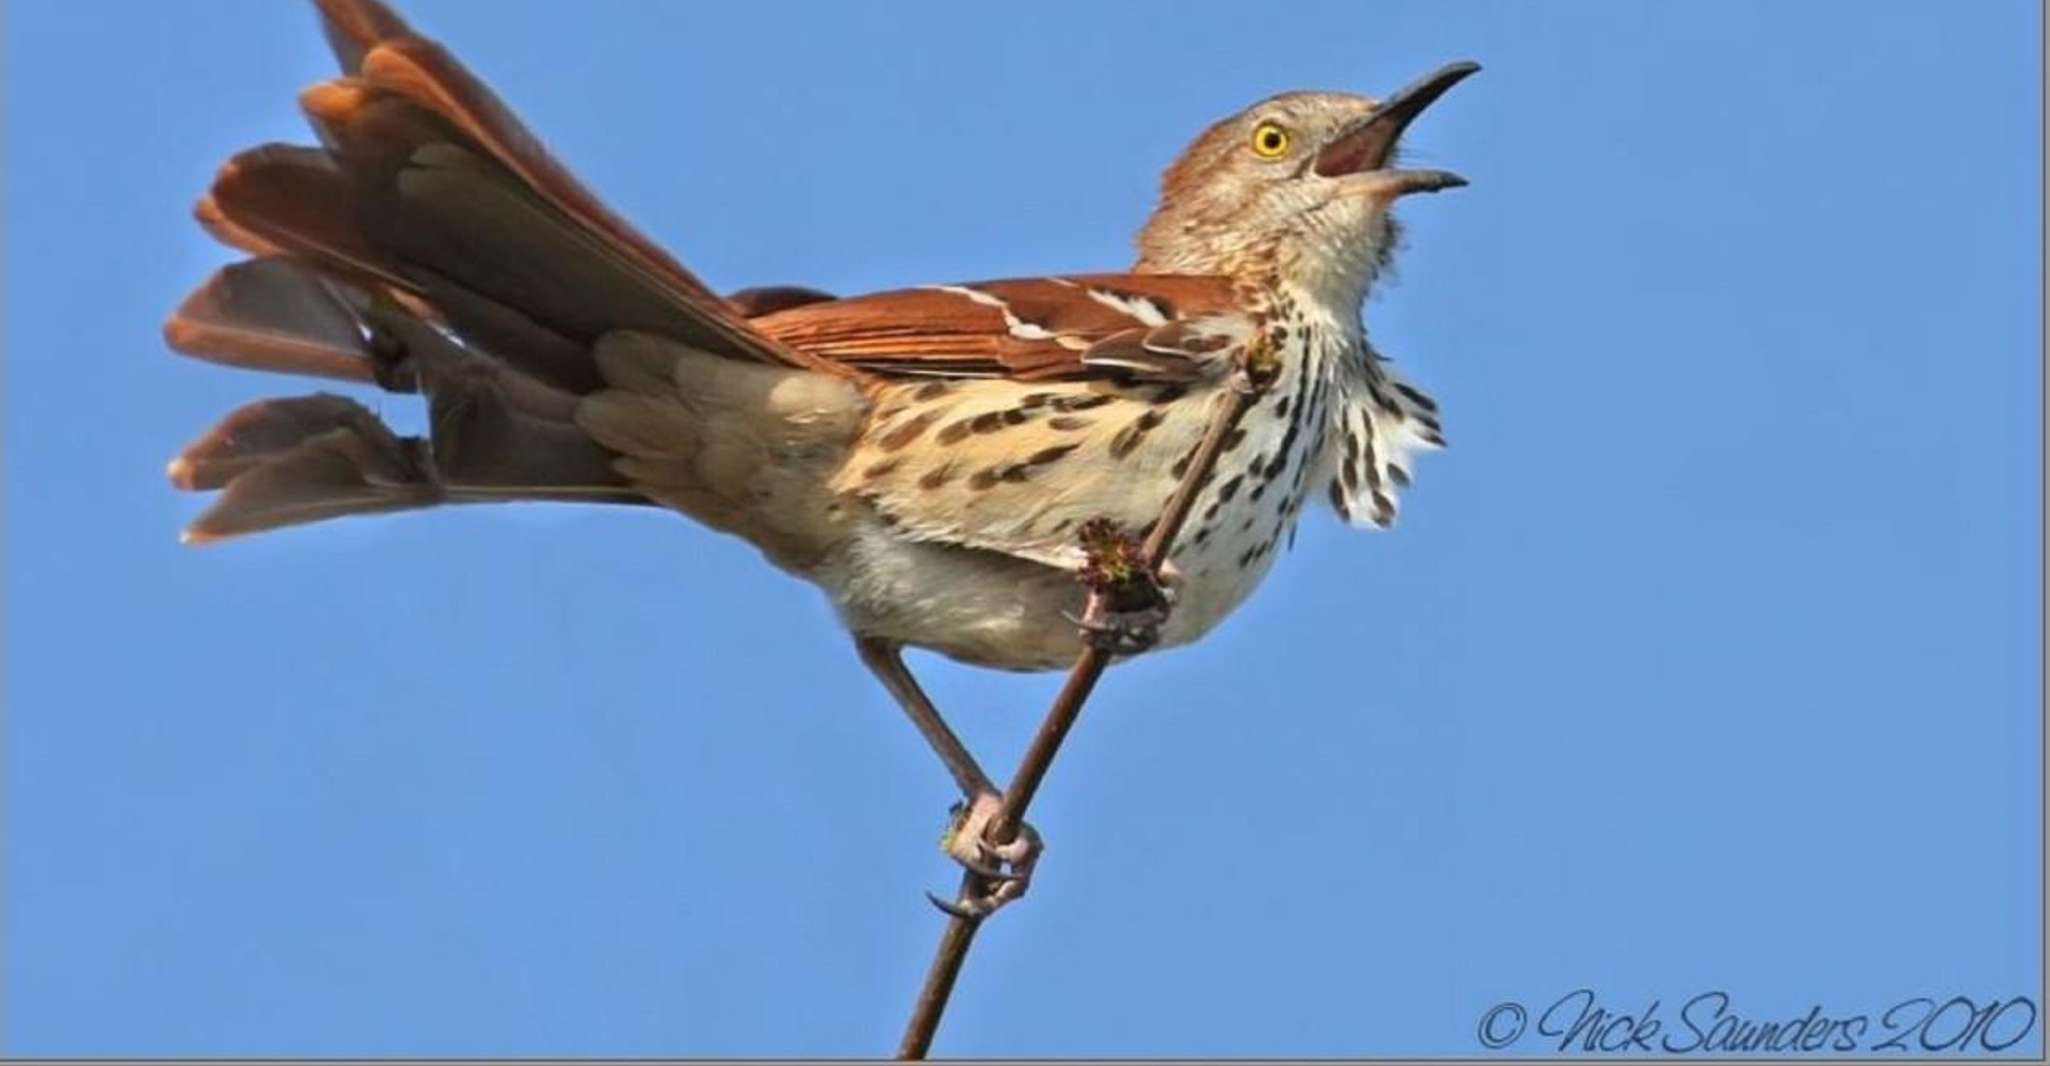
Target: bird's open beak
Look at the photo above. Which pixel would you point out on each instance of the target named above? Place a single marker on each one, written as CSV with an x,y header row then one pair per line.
x,y
1366,145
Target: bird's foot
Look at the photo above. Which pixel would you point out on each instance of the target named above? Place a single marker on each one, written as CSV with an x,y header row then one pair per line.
x,y
1123,632
1128,601
1003,871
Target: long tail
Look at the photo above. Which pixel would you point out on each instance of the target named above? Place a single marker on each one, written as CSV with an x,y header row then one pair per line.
x,y
429,246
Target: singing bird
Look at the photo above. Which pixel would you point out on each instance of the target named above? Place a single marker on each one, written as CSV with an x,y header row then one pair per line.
x,y
926,456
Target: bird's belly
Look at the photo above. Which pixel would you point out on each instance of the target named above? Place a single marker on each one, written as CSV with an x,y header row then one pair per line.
x,y
996,610
980,607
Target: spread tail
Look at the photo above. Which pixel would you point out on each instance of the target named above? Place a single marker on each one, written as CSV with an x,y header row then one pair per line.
x,y
431,246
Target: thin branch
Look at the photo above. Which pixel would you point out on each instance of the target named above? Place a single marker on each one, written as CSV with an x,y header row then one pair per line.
x,y
1239,393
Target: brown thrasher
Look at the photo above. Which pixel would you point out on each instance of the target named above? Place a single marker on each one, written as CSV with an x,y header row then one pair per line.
x,y
926,456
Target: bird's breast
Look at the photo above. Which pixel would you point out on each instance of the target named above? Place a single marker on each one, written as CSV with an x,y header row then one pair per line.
x,y
970,479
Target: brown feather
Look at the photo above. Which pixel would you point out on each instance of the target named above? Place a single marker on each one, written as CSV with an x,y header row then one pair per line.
x,y
425,73
373,42
286,461
443,202
295,199
353,27
277,314
1029,329
768,299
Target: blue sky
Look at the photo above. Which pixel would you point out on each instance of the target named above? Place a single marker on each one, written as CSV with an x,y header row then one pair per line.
x,y
1706,658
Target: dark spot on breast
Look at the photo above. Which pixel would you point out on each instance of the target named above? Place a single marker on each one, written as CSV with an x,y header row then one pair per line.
x,y
1398,475
952,432
1295,427
932,390
1170,394
1083,402
879,469
908,432
937,476
1035,401
1011,472
1047,455
1069,423
1282,455
1128,438
1229,489
1338,502
987,422
1233,439
1416,397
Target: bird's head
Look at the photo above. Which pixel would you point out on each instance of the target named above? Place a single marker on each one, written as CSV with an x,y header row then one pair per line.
x,y
1297,185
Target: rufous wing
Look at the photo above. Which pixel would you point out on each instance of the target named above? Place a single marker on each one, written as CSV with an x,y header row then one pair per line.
x,y
1145,327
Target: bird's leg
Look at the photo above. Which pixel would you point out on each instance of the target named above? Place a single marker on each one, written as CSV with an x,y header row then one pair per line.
x,y
1005,867
884,659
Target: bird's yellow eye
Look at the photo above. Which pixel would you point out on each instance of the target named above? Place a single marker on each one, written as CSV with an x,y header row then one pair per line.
x,y
1270,141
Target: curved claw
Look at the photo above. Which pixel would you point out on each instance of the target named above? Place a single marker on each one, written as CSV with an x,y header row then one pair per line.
x,y
977,907
950,907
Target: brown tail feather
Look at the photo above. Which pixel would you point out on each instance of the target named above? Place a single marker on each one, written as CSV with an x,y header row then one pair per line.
x,y
431,245
280,314
493,434
282,462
